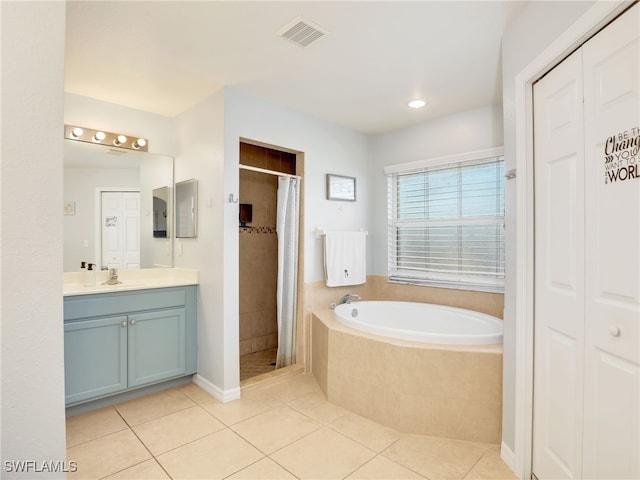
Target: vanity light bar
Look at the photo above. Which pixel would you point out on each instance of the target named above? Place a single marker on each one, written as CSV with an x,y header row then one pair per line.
x,y
100,137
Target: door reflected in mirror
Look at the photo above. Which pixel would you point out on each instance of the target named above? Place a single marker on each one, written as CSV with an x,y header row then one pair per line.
x,y
186,208
90,170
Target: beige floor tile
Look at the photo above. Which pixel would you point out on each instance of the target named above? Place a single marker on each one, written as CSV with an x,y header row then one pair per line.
x,y
149,470
314,405
435,457
236,411
323,454
176,429
150,407
265,469
371,434
92,425
195,393
257,363
381,468
275,428
215,456
491,467
286,389
106,455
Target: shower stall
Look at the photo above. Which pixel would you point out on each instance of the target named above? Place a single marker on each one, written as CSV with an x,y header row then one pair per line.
x,y
268,223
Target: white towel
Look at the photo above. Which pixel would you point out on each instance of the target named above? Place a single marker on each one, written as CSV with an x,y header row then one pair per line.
x,y
345,255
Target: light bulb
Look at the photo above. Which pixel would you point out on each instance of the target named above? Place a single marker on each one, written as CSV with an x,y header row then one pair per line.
x,y
141,142
417,103
99,136
120,139
77,132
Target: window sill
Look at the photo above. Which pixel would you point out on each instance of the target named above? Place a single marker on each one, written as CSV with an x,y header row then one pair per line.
x,y
451,286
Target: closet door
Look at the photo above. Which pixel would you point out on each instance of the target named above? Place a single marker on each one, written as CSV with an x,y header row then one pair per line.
x,y
559,274
120,228
612,259
587,265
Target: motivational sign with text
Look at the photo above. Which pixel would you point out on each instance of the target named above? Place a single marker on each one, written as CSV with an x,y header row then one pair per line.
x,y
621,159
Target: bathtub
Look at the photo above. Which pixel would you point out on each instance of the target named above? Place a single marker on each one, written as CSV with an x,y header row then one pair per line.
x,y
421,322
424,386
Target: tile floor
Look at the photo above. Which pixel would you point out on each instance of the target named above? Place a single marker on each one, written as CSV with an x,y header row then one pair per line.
x,y
281,428
257,363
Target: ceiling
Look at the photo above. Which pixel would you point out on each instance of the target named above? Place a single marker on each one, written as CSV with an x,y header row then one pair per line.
x,y
164,57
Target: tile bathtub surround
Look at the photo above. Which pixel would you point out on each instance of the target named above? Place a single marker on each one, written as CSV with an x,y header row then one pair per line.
x,y
317,297
447,391
283,428
485,302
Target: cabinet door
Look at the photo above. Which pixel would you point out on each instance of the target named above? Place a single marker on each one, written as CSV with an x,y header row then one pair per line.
x,y
157,346
95,358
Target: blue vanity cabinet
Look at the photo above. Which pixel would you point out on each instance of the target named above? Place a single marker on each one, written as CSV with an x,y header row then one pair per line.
x,y
157,342
95,358
119,341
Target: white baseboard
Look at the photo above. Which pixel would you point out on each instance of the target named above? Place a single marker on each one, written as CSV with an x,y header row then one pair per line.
x,y
223,396
508,456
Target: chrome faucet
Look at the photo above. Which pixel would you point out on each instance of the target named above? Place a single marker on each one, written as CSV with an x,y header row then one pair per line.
x,y
348,298
113,277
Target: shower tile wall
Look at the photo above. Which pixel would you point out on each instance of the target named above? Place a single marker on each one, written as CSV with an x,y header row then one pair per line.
x,y
259,248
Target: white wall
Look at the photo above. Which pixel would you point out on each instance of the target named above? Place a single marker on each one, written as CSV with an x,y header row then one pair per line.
x,y
32,39
200,155
328,148
535,28
96,114
463,132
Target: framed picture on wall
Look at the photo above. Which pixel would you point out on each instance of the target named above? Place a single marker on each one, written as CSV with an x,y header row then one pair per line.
x,y
69,208
341,188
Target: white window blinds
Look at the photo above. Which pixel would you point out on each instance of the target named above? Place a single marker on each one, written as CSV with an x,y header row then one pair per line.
x,y
446,224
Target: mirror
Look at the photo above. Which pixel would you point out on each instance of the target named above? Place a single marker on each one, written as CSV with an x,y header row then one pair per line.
x,y
186,208
161,198
123,182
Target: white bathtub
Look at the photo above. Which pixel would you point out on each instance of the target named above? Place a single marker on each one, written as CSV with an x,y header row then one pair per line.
x,y
422,322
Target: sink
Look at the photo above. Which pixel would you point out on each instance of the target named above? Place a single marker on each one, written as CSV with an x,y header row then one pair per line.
x,y
116,286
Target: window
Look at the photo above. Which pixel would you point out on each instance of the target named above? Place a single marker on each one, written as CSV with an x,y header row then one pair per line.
x,y
446,221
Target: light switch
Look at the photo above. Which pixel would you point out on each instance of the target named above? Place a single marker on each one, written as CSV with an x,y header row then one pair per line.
x,y
85,243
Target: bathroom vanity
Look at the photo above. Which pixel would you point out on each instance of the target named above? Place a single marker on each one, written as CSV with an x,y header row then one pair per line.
x,y
122,337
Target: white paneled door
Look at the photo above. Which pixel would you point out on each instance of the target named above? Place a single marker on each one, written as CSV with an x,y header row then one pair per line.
x,y
120,227
587,263
559,279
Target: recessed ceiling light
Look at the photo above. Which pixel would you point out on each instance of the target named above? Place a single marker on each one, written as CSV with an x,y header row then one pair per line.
x,y
417,103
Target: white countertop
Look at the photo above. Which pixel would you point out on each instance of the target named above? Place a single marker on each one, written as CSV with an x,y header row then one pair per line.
x,y
140,279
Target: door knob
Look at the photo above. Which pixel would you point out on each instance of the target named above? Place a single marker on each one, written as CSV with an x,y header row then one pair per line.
x,y
614,331
132,323
124,324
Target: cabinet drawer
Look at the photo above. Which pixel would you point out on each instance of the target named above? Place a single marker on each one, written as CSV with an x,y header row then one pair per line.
x,y
103,304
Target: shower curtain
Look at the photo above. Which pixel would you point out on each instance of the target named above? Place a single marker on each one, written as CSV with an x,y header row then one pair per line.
x,y
287,290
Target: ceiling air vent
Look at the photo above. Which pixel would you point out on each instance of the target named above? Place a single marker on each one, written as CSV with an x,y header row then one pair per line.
x,y
301,31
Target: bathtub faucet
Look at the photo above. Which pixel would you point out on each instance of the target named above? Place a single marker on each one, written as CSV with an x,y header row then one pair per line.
x,y
345,299
348,298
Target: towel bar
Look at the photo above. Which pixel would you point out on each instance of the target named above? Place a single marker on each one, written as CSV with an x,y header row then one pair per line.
x,y
319,232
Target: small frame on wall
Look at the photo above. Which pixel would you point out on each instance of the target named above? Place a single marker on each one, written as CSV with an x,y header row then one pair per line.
x,y
341,188
69,208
